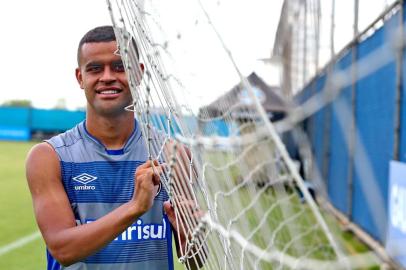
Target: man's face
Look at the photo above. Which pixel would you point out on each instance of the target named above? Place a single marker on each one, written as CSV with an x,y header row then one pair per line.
x,y
101,74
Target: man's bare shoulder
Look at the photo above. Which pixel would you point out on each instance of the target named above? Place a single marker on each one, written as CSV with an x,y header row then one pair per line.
x,y
42,150
43,157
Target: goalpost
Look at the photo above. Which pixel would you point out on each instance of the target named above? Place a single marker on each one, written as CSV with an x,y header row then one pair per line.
x,y
232,164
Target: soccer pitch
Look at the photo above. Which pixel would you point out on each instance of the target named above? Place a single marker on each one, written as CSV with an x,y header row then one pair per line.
x,y
19,248
17,220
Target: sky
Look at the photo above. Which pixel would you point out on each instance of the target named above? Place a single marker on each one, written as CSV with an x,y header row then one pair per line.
x,y
39,43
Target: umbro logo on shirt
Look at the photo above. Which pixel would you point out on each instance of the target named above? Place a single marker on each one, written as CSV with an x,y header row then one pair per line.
x,y
84,179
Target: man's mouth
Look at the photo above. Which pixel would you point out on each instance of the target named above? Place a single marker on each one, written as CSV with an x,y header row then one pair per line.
x,y
108,91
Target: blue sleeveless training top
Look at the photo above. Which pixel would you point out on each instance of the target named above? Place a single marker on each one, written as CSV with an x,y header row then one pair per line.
x,y
97,181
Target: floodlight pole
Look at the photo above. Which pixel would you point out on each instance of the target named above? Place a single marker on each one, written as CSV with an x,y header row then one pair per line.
x,y
304,65
332,29
356,13
317,36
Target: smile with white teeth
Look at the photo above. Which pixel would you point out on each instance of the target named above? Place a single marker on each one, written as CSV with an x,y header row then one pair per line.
x,y
108,92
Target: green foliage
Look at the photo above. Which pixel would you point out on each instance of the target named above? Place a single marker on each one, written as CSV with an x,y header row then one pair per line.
x,y
60,104
18,103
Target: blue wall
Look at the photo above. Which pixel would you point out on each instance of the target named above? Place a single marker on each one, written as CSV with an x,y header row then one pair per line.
x,y
55,120
342,153
375,120
19,123
339,166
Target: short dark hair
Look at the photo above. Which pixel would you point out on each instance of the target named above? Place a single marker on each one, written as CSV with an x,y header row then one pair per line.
x,y
100,34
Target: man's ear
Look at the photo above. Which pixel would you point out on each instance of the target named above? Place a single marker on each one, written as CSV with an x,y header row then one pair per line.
x,y
140,73
79,78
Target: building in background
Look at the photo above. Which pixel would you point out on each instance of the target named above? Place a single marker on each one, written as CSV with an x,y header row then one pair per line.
x,y
237,104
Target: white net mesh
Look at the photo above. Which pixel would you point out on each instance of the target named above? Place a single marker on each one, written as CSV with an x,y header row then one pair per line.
x,y
226,157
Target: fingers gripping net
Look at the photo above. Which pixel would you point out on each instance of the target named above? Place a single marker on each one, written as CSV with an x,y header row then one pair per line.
x,y
237,195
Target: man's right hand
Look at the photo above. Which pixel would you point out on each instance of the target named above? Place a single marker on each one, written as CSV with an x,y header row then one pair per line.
x,y
147,179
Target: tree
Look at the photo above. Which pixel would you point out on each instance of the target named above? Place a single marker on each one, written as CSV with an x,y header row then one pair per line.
x,y
60,104
18,103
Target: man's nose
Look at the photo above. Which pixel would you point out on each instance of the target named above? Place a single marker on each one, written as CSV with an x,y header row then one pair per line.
x,y
107,76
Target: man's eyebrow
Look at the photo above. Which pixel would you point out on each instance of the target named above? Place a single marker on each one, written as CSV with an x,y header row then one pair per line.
x,y
93,64
115,62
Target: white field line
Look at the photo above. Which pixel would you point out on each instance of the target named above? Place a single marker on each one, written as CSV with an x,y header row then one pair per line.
x,y
19,242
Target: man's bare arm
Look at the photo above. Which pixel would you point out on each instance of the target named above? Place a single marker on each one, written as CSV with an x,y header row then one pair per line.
x,y
67,242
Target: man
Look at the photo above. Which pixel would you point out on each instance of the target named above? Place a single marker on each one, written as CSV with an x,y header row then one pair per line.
x,y
97,200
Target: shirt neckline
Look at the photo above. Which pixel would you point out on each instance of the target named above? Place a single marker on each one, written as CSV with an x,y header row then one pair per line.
x,y
113,152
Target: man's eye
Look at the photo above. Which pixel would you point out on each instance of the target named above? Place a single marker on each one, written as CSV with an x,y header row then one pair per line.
x,y
118,66
93,68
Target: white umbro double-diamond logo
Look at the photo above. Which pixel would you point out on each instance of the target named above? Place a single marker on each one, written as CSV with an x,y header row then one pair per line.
x,y
84,178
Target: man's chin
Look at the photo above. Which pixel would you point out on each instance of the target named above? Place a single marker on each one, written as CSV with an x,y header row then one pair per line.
x,y
112,112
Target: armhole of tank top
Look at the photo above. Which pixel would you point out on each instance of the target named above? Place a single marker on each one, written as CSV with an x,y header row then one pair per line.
x,y
169,244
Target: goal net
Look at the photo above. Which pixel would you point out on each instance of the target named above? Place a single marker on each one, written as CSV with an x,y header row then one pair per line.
x,y
224,155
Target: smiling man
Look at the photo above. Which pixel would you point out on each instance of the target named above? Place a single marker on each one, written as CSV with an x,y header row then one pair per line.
x,y
97,200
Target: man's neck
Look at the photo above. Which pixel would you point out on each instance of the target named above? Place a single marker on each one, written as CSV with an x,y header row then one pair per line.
x,y
112,132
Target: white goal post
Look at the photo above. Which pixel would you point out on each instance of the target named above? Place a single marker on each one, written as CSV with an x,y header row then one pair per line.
x,y
231,164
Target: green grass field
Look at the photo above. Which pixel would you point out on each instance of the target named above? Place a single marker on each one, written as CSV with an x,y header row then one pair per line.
x,y
273,207
16,210
18,220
